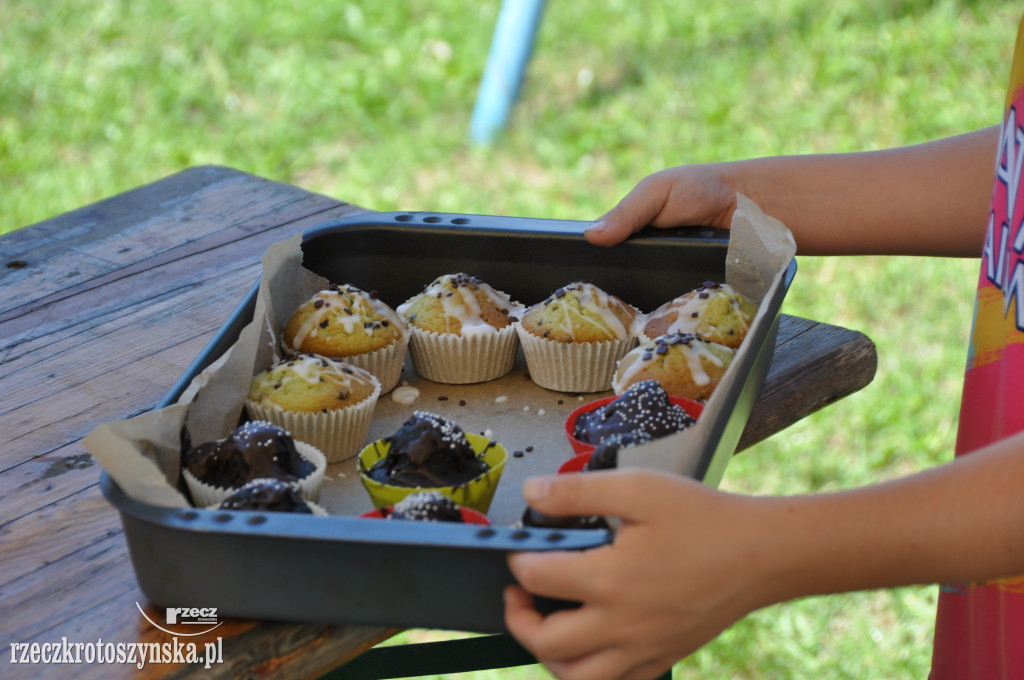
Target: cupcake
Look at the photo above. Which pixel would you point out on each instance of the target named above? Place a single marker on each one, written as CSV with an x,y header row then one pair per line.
x,y
343,322
713,311
643,408
685,365
255,450
270,495
573,339
462,330
430,452
606,453
324,402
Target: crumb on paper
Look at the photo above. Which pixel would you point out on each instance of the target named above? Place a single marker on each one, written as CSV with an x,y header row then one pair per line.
x,y
541,411
489,433
526,408
500,399
404,394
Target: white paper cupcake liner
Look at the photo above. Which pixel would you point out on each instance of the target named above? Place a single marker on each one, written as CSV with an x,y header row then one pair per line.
x,y
205,495
385,363
455,359
339,434
572,366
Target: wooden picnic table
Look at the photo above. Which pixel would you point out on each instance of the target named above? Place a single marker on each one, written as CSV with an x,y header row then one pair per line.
x,y
101,310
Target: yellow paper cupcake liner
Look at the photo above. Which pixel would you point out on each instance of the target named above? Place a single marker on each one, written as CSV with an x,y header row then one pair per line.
x,y
476,493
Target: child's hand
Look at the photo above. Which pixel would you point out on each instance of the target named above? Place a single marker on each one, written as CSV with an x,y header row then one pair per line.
x,y
680,570
688,195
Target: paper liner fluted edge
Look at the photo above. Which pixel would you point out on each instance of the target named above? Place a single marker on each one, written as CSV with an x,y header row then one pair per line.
x,y
455,359
204,495
477,493
572,366
339,434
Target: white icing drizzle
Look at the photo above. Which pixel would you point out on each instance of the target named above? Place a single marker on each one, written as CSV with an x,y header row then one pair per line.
x,y
694,351
463,314
363,308
688,309
313,369
592,299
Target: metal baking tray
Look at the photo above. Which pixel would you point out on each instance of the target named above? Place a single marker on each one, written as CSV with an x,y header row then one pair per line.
x,y
344,569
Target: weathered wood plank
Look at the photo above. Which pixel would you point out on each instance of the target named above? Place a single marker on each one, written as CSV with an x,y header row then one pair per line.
x,y
843,361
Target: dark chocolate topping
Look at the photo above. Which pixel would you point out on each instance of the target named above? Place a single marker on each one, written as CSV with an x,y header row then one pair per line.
x,y
606,454
643,407
256,449
271,495
427,506
533,518
428,451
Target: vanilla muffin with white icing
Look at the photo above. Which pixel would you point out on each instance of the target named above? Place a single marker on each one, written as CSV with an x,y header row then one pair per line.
x,y
714,311
580,312
344,322
683,364
325,402
573,338
462,330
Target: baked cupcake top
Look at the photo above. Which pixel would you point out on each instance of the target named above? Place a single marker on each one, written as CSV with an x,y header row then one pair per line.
x,y
459,304
342,321
427,506
311,383
254,450
685,365
644,407
428,450
580,312
266,494
713,311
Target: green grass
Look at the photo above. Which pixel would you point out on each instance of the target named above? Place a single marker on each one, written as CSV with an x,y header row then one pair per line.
x,y
370,102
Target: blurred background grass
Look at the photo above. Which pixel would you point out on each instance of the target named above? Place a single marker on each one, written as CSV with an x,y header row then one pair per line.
x,y
370,102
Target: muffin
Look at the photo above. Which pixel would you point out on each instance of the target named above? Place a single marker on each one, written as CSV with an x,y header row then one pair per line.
x,y
269,495
606,453
255,450
537,519
324,402
462,330
573,338
430,452
343,322
713,311
643,408
685,365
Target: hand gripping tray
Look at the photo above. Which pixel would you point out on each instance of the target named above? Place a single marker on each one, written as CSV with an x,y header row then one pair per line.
x,y
343,569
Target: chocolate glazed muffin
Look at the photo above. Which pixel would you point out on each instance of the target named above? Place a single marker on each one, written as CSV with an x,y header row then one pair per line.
x,y
271,495
254,450
643,407
427,506
428,451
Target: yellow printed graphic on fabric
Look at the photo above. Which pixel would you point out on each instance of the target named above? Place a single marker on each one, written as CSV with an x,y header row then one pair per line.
x,y
994,330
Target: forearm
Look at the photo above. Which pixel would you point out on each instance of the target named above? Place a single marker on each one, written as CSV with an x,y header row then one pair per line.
x,y
927,199
963,521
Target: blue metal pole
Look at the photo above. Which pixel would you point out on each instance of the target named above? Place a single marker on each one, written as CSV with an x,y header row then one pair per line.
x,y
506,62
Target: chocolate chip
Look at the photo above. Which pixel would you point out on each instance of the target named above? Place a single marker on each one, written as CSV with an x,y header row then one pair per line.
x,y
323,324
319,303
